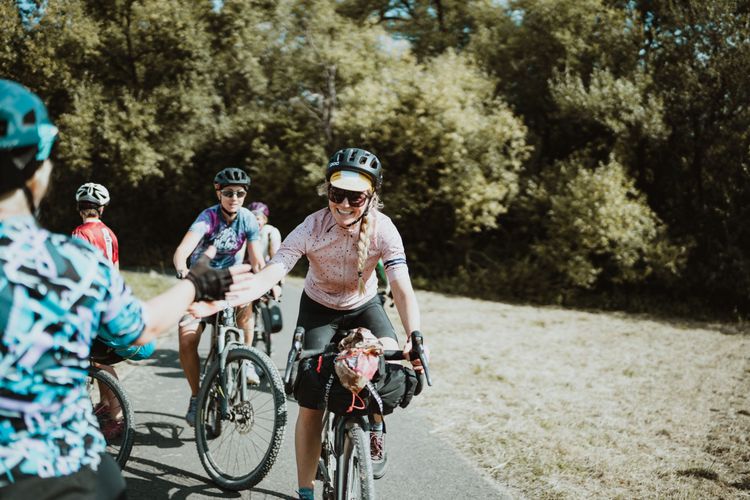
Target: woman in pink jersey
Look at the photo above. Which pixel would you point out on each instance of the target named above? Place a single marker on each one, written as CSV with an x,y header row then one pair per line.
x,y
343,243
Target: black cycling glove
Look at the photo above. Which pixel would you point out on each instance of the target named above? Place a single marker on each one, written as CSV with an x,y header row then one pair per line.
x,y
209,283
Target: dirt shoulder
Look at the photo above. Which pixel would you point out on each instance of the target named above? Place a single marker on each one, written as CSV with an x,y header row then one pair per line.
x,y
556,403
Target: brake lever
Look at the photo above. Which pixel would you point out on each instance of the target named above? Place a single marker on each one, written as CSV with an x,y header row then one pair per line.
x,y
417,343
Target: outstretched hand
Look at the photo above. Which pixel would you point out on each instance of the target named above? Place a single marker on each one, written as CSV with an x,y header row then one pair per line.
x,y
211,284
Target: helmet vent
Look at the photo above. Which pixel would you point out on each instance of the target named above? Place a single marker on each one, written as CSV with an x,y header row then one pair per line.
x,y
29,118
3,128
353,154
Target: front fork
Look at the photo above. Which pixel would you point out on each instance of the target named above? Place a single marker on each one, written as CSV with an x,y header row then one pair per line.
x,y
225,384
343,445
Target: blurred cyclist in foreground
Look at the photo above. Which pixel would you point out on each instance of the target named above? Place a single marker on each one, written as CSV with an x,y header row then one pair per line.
x,y
57,294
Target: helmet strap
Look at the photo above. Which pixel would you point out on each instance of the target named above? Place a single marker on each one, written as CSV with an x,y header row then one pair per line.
x,y
229,215
364,213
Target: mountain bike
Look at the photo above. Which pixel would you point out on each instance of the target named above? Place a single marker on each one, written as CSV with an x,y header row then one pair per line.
x,y
240,415
115,409
345,466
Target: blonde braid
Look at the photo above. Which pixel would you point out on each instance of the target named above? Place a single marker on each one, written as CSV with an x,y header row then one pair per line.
x,y
363,248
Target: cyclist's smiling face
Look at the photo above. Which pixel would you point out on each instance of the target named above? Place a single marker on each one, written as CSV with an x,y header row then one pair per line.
x,y
231,197
343,211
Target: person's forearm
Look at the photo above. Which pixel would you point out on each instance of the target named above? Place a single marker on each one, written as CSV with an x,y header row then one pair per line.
x,y
406,304
258,285
163,311
179,260
256,257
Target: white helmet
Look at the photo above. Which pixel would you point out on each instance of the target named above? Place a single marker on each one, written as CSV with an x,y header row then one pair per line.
x,y
93,193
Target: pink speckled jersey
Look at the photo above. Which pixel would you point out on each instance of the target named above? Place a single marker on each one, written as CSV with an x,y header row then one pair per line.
x,y
332,252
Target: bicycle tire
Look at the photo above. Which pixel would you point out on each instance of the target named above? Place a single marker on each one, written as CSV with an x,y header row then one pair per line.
x,y
252,434
121,446
355,465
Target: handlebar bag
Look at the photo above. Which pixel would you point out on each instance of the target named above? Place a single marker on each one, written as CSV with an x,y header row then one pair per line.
x,y
318,384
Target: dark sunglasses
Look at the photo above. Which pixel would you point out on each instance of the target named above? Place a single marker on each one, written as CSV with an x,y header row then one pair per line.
x,y
356,198
228,193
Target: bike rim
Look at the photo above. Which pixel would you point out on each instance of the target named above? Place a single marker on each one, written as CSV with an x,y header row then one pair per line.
x,y
250,432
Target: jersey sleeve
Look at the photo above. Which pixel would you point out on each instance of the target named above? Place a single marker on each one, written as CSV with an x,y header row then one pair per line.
x,y
252,233
294,246
393,254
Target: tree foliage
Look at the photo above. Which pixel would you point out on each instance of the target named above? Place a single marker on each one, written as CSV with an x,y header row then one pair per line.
x,y
529,145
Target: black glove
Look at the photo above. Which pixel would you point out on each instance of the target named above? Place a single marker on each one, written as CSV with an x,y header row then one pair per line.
x,y
209,283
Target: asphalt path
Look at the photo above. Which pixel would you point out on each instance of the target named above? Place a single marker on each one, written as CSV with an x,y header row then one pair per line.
x,y
165,464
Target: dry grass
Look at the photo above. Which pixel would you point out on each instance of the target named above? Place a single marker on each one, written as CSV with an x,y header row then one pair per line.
x,y
556,403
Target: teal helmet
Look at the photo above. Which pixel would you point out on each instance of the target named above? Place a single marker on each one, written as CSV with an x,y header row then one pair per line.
x,y
26,134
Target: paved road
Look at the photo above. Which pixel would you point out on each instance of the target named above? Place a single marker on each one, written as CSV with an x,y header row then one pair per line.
x,y
165,463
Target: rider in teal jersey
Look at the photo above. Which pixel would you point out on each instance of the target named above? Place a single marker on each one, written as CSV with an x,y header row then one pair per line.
x,y
57,294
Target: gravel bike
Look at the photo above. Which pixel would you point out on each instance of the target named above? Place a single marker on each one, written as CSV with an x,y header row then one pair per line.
x,y
113,412
240,414
345,466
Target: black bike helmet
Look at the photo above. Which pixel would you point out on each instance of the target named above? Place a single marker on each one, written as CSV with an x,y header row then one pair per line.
x,y
359,161
232,175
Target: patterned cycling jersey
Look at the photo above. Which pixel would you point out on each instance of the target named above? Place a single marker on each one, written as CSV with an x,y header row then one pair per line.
x,y
98,234
332,252
56,294
227,238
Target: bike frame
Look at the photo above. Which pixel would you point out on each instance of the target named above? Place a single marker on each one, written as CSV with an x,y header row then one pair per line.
x,y
224,336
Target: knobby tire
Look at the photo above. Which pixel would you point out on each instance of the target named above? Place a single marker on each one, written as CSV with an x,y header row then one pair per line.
x,y
356,466
243,450
121,446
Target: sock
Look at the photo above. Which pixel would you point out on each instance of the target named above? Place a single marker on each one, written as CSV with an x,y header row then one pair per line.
x,y
306,494
376,427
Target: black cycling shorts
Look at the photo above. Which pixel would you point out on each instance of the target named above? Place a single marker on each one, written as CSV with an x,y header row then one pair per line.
x,y
321,323
106,483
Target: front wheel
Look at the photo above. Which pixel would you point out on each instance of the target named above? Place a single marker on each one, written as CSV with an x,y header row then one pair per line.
x,y
355,467
114,413
251,419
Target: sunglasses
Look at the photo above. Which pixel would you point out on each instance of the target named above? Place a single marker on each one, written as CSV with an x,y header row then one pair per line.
x,y
228,193
356,198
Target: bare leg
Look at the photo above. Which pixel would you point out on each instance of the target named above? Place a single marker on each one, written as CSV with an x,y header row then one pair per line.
x,y
190,336
246,321
113,405
307,445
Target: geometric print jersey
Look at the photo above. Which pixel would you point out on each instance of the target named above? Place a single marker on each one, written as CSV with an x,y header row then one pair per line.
x,y
56,294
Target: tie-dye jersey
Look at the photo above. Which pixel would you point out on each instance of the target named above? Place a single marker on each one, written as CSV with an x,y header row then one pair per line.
x,y
227,238
56,294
